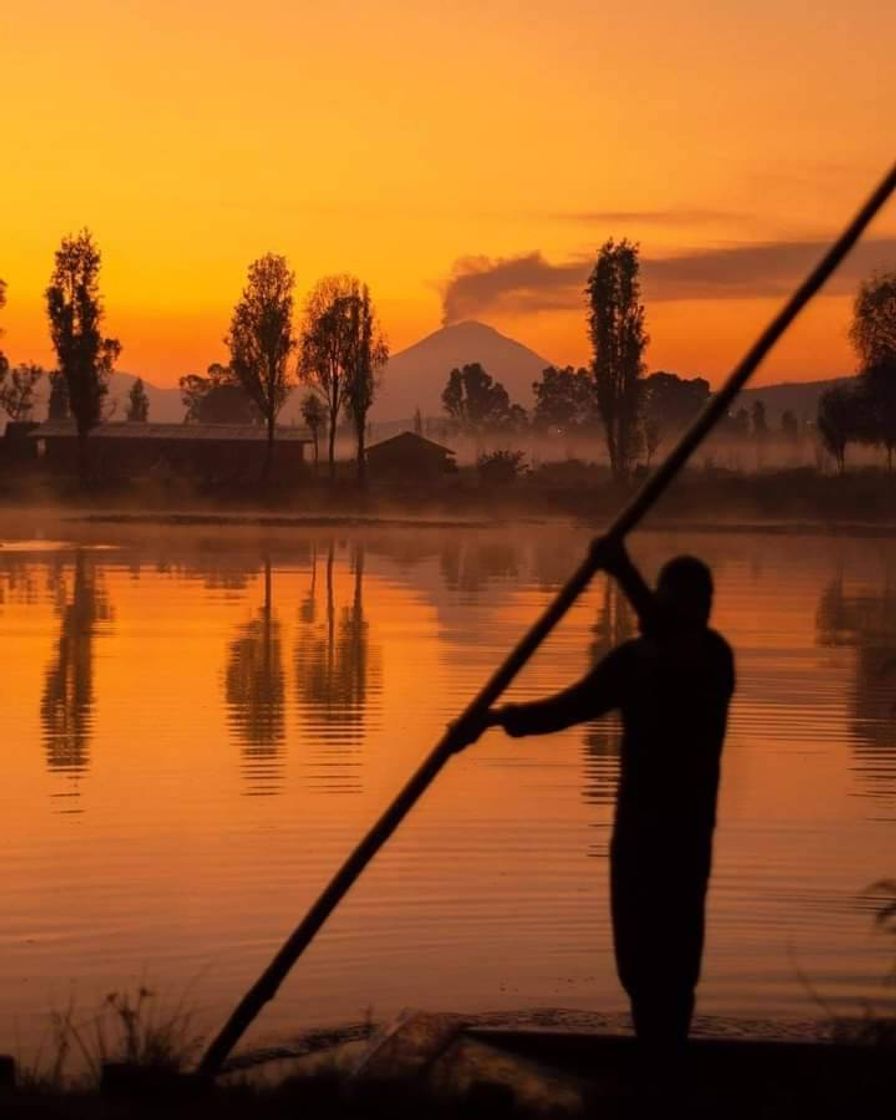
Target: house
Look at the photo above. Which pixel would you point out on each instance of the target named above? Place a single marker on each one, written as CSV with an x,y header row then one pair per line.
x,y
213,452
409,457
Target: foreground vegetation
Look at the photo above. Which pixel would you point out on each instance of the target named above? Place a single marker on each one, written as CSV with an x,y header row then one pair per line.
x,y
134,1061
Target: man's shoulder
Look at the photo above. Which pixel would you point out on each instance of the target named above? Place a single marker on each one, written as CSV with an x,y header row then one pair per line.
x,y
709,647
713,644
716,641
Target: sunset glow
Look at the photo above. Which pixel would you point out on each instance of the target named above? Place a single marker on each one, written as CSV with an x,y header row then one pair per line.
x,y
395,139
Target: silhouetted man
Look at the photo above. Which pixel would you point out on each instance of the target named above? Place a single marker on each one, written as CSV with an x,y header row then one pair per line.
x,y
672,686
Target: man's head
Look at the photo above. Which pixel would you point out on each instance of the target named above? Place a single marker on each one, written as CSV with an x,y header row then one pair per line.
x,y
684,589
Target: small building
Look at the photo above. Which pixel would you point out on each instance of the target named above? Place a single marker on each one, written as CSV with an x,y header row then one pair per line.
x,y
409,457
211,452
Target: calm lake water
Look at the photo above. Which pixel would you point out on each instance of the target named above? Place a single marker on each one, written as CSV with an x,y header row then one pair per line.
x,y
199,723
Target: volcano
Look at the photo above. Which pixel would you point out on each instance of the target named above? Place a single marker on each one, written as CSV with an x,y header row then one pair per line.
x,y
415,377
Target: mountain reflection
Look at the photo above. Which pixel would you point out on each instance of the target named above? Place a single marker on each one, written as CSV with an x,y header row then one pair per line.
x,y
67,701
866,621
255,686
336,671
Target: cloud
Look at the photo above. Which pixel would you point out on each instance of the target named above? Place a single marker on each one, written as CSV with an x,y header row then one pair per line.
x,y
524,283
530,283
652,217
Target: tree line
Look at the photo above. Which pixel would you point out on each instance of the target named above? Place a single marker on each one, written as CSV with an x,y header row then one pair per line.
x,y
637,411
337,353
863,411
338,350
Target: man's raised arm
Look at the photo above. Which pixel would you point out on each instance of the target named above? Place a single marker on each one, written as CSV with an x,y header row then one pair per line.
x,y
613,558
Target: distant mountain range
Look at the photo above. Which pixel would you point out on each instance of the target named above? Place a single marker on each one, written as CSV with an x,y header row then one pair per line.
x,y
799,397
415,378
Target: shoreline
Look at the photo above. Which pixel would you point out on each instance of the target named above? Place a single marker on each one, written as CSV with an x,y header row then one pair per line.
x,y
360,520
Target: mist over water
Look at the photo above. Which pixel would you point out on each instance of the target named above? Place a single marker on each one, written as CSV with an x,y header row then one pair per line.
x,y
201,723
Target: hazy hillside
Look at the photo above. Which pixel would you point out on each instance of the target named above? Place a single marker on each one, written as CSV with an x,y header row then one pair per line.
x,y
164,404
800,398
415,378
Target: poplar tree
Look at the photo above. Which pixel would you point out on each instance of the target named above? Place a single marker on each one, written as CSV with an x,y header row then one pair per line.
x,y
85,357
261,340
138,403
367,353
325,348
314,415
618,338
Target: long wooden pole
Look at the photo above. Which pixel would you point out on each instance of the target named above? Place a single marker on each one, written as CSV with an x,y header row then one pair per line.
x,y
265,988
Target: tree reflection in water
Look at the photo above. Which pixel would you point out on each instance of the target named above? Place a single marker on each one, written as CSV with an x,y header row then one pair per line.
x,y
336,672
865,620
67,701
615,624
468,566
255,686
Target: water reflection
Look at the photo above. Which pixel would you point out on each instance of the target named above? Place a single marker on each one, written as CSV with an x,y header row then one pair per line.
x,y
337,670
324,626
866,621
468,565
17,582
255,686
615,624
67,701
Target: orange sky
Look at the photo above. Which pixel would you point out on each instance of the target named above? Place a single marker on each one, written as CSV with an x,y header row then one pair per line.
x,y
393,139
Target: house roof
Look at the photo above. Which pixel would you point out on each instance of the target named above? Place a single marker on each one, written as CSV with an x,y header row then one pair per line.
x,y
252,433
411,439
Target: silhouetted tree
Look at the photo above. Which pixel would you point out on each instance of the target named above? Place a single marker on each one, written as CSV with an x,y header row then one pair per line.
x,y
877,387
758,421
216,398
367,353
75,311
739,424
873,330
477,403
261,340
57,402
17,394
669,404
501,467
873,334
790,428
618,338
138,403
418,421
325,351
564,401
837,421
315,416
